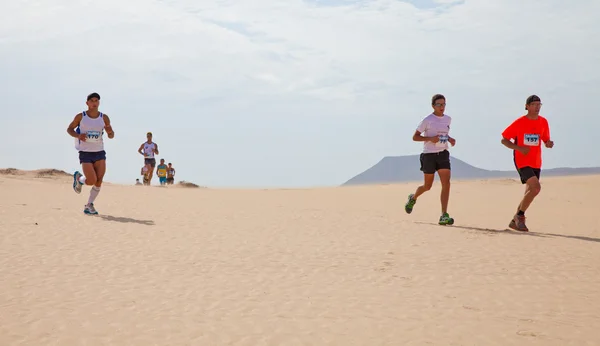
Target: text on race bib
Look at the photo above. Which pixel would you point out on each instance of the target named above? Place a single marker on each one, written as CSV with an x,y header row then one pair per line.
x,y
443,139
93,136
531,139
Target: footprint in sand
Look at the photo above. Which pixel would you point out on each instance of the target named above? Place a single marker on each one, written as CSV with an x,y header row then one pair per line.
x,y
528,333
386,265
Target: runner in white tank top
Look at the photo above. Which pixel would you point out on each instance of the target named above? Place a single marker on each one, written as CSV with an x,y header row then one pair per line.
x,y
88,128
148,149
93,128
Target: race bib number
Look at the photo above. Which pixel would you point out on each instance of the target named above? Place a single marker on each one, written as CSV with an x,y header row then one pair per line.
x,y
532,140
93,136
443,140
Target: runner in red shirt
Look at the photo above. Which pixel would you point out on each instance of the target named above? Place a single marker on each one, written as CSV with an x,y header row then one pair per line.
x,y
527,133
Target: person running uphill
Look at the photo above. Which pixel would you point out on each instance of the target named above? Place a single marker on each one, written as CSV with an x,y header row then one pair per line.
x,y
433,131
161,172
523,136
145,173
88,129
170,174
148,149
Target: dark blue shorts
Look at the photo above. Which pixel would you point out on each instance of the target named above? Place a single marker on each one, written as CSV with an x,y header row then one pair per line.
x,y
91,157
151,162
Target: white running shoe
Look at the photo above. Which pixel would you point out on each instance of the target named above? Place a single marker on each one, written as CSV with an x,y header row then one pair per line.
x,y
76,184
89,209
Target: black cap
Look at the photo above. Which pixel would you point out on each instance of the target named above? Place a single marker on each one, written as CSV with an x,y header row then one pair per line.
x,y
96,95
532,98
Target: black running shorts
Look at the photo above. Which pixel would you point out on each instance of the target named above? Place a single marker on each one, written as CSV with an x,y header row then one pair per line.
x,y
525,173
431,162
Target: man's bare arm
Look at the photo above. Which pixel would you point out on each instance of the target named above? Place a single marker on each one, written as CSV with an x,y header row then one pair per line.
x,y
73,125
156,148
509,144
418,138
108,126
141,148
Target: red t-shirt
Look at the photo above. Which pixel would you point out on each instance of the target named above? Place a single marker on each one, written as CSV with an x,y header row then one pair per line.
x,y
531,133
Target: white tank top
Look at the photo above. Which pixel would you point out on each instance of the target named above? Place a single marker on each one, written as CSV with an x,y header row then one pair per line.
x,y
149,150
94,128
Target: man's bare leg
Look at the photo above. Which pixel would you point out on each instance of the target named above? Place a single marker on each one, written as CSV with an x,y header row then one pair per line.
x,y
532,189
412,198
427,184
87,178
99,169
89,174
445,194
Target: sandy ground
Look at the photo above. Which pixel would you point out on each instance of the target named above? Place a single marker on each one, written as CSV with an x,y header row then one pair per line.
x,y
329,266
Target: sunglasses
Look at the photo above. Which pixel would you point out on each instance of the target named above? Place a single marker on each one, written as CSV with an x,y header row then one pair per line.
x,y
439,104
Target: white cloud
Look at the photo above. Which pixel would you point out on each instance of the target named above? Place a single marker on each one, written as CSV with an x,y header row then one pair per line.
x,y
368,60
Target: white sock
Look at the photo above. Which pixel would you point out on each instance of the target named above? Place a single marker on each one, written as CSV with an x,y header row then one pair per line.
x,y
94,191
82,180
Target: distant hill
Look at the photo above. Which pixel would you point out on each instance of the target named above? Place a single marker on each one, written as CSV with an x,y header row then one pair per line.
x,y
397,169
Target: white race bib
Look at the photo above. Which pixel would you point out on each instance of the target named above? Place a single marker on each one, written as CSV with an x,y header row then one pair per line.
x,y
93,136
443,140
531,139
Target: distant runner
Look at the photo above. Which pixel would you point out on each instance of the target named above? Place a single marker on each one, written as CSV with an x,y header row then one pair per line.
x,y
88,128
433,131
526,133
170,174
148,149
145,173
161,172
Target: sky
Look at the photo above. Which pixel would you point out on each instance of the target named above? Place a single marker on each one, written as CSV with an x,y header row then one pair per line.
x,y
293,93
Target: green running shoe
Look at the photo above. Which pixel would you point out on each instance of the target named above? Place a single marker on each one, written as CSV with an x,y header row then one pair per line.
x,y
408,207
445,219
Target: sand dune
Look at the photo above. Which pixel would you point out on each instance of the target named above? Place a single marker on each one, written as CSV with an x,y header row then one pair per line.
x,y
329,266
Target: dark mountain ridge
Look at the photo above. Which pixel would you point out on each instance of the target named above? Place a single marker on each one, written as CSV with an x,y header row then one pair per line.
x,y
398,169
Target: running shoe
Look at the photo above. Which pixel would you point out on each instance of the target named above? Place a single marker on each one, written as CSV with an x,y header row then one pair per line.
x,y
76,184
90,210
408,207
445,219
518,223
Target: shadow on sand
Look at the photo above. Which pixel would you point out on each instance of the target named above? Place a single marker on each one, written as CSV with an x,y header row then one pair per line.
x,y
509,231
126,220
579,237
488,230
